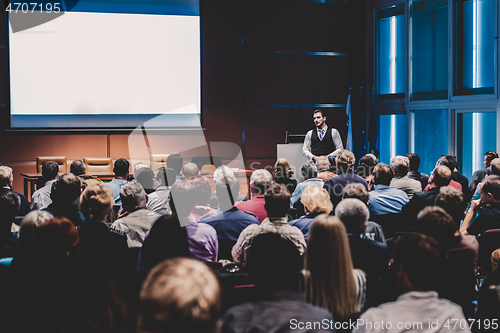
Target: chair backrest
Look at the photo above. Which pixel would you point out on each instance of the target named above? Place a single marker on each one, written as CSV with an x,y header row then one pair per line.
x,y
490,241
158,161
207,168
216,161
391,223
60,160
99,164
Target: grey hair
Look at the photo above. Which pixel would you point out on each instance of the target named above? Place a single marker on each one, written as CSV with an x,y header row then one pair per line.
x,y
133,196
137,167
189,170
28,226
400,164
353,213
260,180
309,170
222,172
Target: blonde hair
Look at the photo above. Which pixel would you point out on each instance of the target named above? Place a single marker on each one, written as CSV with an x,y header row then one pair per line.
x,y
6,176
345,160
330,282
282,169
96,202
316,200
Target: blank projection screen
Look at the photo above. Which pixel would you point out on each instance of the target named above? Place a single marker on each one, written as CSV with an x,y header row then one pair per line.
x,y
112,64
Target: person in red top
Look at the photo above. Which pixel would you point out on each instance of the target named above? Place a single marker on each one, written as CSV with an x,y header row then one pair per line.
x,y
260,181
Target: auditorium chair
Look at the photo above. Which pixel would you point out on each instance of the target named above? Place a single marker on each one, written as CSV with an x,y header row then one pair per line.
x,y
207,168
60,160
158,161
490,241
98,165
200,161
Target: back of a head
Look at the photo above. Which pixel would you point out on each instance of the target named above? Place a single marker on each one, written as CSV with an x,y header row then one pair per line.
x,y
400,165
145,177
491,184
179,295
182,200
490,155
282,169
201,190
77,167
9,206
222,172
138,166
226,190
345,161
277,201
495,166
419,257
309,170
354,214
56,241
29,224
451,200
96,202
121,167
50,169
67,188
356,191
175,161
366,165
260,180
382,174
133,196
166,176
6,176
448,161
189,170
414,161
274,262
441,175
316,200
323,163
435,222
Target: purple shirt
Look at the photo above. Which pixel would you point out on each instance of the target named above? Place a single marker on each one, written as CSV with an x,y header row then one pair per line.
x,y
203,243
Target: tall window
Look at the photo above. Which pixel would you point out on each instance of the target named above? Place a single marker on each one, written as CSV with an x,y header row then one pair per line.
x,y
391,40
475,52
429,49
393,136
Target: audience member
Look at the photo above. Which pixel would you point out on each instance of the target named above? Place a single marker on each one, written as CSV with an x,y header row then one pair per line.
x,y
41,198
494,170
323,165
179,295
27,229
158,200
138,166
134,220
370,256
283,173
335,186
65,193
331,281
385,199
202,193
260,181
220,173
416,261
413,173
451,163
274,263
316,201
277,205
365,167
175,161
310,173
479,175
401,165
6,181
228,221
189,171
78,168
9,205
145,177
120,169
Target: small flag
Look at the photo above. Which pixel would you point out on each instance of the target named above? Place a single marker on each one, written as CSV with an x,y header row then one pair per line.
x,y
349,145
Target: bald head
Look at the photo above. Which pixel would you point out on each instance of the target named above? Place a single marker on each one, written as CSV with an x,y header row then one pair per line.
x,y
189,170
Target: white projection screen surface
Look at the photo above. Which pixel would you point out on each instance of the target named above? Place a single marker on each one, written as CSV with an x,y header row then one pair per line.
x,y
108,65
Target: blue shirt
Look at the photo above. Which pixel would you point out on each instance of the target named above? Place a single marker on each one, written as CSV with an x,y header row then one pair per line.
x,y
302,186
115,185
386,200
304,222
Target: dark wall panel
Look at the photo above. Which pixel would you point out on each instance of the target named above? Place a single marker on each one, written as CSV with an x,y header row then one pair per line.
x,y
221,79
221,24
223,124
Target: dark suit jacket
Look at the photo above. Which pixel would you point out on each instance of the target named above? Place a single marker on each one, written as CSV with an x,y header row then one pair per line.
x,y
419,201
370,256
24,208
335,185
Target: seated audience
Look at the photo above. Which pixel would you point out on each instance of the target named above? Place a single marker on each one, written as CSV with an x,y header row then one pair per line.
x,y
41,198
134,220
27,229
65,193
310,173
274,263
416,261
385,199
494,170
158,200
413,173
488,208
190,171
6,181
370,256
260,181
365,167
220,173
175,161
479,175
282,174
451,163
323,165
9,205
277,204
401,165
316,201
78,168
120,169
145,177
201,192
137,167
228,221
179,295
331,281
335,186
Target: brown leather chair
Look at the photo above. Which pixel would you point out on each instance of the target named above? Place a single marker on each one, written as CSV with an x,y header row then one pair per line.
x,y
158,161
207,168
60,160
98,165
